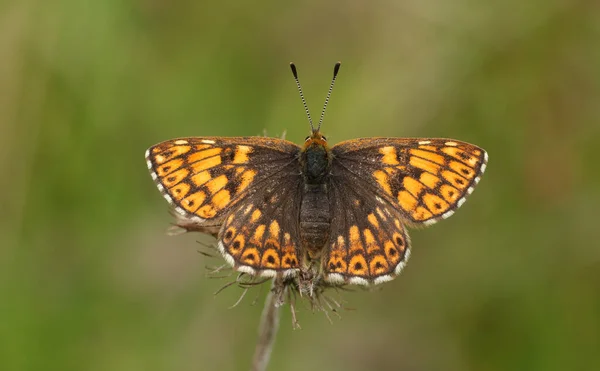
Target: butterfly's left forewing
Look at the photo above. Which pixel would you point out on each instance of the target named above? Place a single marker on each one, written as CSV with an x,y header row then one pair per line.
x,y
426,180
204,177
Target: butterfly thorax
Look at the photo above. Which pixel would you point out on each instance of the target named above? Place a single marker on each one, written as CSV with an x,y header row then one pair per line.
x,y
315,160
315,217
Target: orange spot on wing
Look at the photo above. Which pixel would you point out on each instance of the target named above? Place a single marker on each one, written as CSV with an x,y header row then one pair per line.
x,y
274,229
180,190
424,164
433,157
412,185
373,220
378,265
197,156
435,204
238,245
476,152
428,148
201,178
258,235
205,164
200,147
169,167
449,193
390,157
175,177
354,236
270,259
255,215
383,180
391,252
429,180
206,212
369,238
407,201
462,169
455,179
229,234
370,241
421,213
289,260
221,199
398,240
216,184
241,154
192,202
460,155
358,266
336,264
355,242
251,256
173,152
246,179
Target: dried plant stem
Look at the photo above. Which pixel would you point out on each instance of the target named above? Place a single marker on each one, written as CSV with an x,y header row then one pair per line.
x,y
269,324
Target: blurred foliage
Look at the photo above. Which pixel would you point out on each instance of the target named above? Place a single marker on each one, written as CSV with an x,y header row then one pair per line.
x,y
89,280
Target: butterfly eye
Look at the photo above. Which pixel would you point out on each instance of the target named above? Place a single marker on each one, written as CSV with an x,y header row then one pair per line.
x,y
323,137
307,138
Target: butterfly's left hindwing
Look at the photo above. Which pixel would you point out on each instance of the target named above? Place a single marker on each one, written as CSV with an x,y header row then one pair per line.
x,y
204,177
260,236
426,180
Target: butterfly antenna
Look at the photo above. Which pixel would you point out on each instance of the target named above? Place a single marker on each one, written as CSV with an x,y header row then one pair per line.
x,y
336,69
293,67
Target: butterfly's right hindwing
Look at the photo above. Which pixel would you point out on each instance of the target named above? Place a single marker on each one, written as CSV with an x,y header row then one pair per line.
x,y
368,241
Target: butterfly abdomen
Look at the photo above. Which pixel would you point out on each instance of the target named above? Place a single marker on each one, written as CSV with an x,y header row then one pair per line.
x,y
315,218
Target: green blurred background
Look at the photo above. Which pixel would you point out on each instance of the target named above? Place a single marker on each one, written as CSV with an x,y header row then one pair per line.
x,y
90,281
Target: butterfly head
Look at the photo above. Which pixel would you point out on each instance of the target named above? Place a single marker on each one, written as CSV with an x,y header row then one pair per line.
x,y
315,139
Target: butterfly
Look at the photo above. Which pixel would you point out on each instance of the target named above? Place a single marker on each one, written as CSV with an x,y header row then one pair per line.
x,y
314,214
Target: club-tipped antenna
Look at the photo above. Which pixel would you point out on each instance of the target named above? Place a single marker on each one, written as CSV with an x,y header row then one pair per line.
x,y
293,67
336,69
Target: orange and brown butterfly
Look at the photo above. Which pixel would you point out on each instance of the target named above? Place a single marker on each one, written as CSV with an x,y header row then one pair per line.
x,y
315,214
